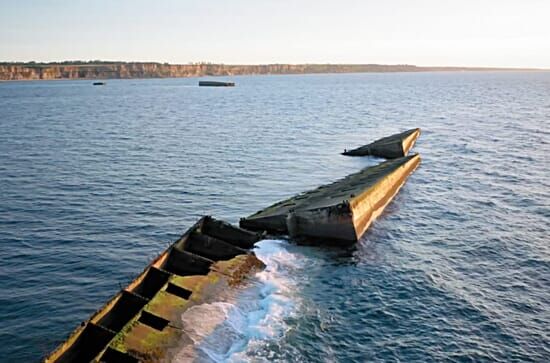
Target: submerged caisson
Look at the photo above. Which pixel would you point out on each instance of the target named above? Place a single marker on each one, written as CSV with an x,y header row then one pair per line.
x,y
143,321
390,147
339,212
216,84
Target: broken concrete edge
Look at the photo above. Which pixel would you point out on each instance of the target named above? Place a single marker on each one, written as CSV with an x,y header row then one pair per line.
x,y
320,217
389,147
167,294
410,141
349,220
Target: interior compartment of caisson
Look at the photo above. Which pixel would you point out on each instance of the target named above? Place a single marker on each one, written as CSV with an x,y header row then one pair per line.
x,y
153,281
127,306
228,233
178,291
209,247
184,263
88,345
155,322
114,356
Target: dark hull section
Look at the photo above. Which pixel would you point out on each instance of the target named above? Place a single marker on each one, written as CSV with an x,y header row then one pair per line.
x,y
391,147
216,84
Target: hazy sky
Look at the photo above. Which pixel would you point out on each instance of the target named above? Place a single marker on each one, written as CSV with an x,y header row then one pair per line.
x,y
510,33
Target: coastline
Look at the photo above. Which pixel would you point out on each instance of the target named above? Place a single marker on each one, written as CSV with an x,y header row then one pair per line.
x,y
39,72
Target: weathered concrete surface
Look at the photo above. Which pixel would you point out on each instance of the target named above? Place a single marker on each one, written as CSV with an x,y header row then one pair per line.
x,y
391,147
142,323
339,212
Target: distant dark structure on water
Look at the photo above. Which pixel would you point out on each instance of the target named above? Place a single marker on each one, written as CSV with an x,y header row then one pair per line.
x,y
99,83
216,84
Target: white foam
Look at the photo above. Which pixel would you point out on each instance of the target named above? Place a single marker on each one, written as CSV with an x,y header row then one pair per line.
x,y
227,331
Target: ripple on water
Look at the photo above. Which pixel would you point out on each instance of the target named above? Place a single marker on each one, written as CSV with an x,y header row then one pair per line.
x,y
95,181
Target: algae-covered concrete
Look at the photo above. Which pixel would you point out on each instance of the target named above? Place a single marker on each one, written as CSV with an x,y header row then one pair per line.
x,y
148,342
142,323
390,147
337,212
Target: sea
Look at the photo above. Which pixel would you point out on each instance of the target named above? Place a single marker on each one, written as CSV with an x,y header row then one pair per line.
x,y
97,180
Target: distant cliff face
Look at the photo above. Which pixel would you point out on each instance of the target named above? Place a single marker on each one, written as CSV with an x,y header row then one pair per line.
x,y
11,72
157,70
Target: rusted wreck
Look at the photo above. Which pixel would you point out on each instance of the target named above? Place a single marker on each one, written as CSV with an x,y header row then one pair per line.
x,y
143,321
390,147
339,212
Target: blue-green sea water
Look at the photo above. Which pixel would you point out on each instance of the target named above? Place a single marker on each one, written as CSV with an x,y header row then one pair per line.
x,y
95,181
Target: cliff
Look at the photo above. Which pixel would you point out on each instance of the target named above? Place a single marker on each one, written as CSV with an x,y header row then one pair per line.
x,y
103,70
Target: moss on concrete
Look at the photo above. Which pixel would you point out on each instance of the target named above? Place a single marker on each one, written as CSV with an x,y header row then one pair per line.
x,y
151,345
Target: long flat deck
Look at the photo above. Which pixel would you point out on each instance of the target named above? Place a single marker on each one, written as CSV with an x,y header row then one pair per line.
x,y
336,210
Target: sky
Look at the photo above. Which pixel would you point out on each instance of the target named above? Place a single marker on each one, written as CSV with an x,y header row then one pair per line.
x,y
491,33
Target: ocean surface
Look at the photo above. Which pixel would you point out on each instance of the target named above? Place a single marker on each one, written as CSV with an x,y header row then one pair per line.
x,y
95,181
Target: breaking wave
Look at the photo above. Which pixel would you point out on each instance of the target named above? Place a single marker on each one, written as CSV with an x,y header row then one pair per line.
x,y
228,331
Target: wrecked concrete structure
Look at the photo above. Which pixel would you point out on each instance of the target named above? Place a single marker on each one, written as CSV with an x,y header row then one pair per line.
x,y
143,321
338,212
390,147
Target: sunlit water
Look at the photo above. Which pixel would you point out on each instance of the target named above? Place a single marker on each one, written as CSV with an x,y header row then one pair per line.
x,y
95,181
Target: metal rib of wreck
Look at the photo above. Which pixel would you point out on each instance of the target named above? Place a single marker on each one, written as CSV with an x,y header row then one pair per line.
x,y
143,321
339,212
390,147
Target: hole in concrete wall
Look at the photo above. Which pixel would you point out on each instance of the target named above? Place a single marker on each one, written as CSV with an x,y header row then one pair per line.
x,y
88,345
155,322
114,356
123,311
183,263
153,281
211,248
178,291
